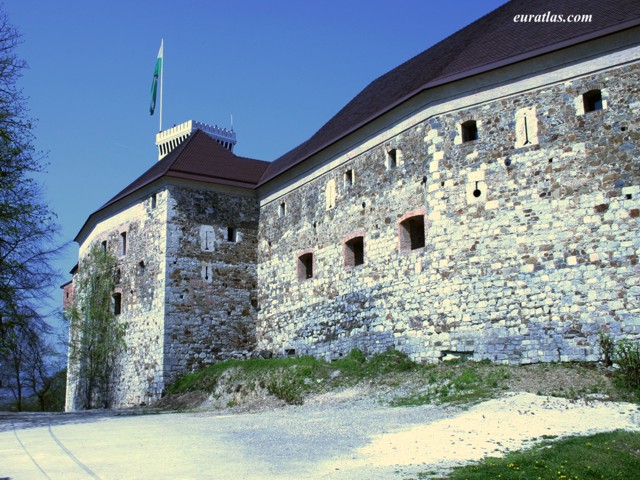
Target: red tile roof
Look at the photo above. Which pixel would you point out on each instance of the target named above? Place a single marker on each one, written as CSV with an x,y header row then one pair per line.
x,y
200,157
492,41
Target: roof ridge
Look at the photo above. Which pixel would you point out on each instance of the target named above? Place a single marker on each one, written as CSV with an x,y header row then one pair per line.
x,y
492,41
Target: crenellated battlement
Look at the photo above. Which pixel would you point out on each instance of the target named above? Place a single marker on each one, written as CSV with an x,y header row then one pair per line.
x,y
169,139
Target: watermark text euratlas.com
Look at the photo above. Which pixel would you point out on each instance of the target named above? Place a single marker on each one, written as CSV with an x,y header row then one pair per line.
x,y
552,18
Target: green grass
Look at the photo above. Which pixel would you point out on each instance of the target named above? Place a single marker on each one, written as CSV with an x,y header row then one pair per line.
x,y
290,379
456,382
605,456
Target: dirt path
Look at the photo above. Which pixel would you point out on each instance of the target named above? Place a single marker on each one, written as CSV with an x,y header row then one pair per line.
x,y
320,440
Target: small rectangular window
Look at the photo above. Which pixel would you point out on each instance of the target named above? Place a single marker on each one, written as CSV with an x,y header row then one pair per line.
x,y
104,246
305,266
412,236
469,130
348,178
354,252
232,234
592,101
117,303
282,210
123,244
392,158
154,201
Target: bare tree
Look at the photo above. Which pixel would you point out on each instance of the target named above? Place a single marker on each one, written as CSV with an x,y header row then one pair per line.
x,y
27,226
29,366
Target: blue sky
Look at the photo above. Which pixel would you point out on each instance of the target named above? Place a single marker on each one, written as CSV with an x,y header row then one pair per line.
x,y
281,68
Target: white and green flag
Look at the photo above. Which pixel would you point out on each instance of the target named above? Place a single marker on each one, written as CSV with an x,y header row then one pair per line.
x,y
156,75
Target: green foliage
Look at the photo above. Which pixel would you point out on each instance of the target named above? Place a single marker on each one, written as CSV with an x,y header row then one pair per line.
x,y
287,388
390,361
605,456
96,334
606,348
291,378
456,382
627,356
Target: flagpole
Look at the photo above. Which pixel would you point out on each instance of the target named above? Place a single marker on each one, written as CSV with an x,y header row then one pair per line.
x,y
161,79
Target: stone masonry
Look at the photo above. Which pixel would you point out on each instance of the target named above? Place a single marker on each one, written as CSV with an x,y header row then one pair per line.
x,y
531,236
211,278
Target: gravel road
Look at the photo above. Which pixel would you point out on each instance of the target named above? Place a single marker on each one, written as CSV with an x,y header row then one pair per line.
x,y
320,440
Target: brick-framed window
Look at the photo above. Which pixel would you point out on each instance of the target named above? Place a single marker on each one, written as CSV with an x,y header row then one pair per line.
x,y
305,266
412,231
469,131
353,250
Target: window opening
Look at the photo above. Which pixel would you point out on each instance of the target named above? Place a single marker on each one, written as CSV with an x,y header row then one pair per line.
x,y
592,101
469,131
348,178
392,158
354,252
117,303
305,266
232,234
104,245
123,243
282,210
412,233
154,200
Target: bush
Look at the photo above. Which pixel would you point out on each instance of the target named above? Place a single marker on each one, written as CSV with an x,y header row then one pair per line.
x,y
390,361
627,356
286,389
606,347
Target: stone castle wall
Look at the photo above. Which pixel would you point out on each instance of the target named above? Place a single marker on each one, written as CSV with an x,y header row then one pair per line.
x,y
211,277
140,283
530,234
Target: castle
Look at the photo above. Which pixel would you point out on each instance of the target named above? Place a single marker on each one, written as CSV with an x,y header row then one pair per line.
x,y
481,200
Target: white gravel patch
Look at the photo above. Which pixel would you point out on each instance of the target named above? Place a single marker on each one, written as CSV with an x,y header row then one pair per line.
x,y
491,428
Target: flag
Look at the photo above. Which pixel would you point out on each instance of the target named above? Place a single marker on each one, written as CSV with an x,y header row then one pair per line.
x,y
157,73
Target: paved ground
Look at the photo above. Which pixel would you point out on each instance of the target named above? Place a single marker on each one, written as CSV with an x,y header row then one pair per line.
x,y
343,441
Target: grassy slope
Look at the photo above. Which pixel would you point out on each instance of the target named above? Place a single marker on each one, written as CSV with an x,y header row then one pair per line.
x,y
396,380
